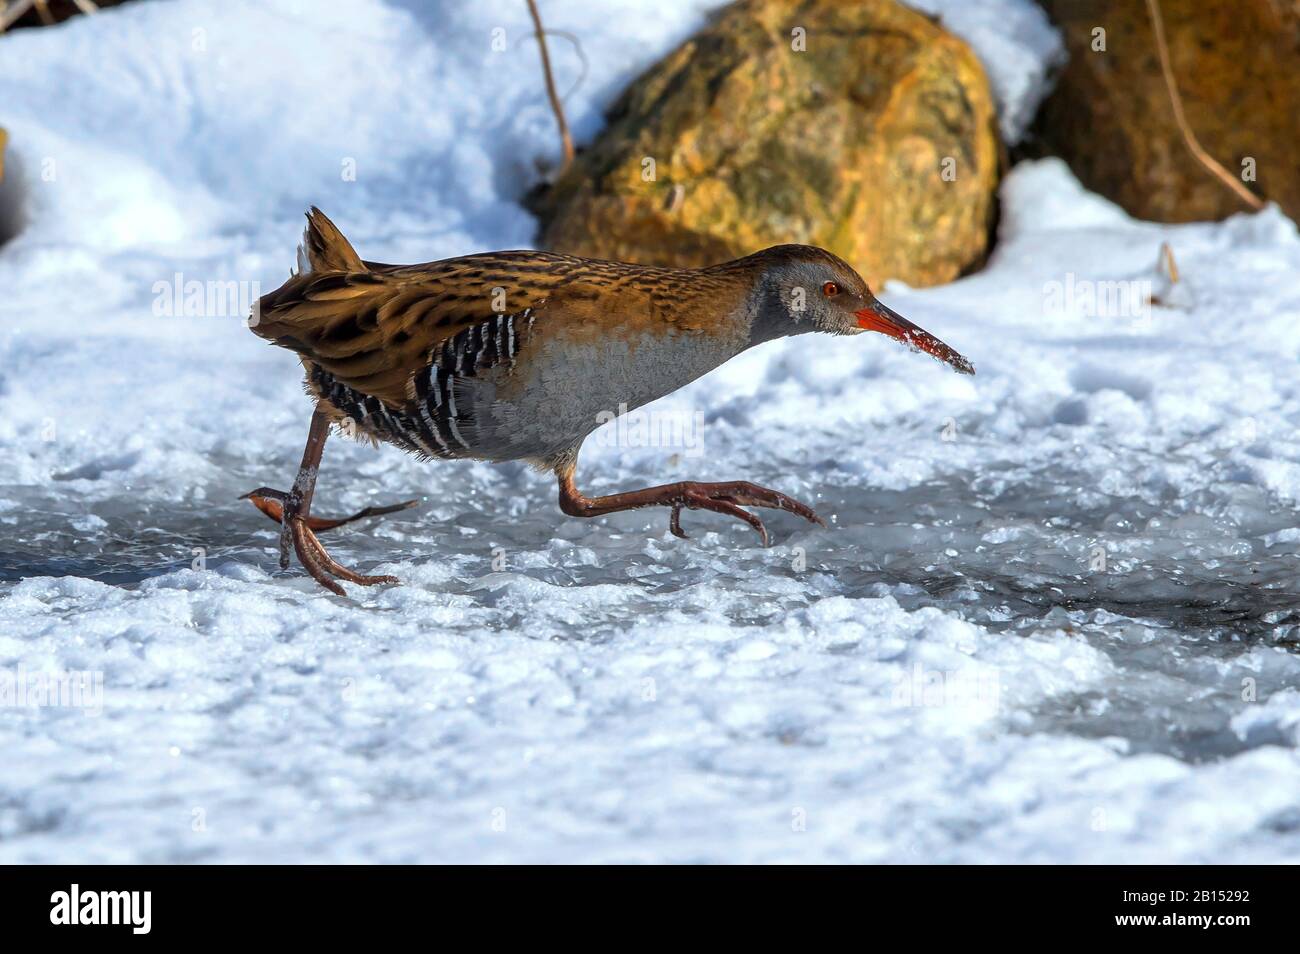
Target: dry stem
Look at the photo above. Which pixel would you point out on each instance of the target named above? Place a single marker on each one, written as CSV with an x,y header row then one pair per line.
x,y
1208,161
566,141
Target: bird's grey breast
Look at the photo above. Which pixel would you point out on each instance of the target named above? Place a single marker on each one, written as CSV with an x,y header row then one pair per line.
x,y
572,384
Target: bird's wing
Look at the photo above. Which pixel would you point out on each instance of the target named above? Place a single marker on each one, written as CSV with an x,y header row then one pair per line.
x,y
375,332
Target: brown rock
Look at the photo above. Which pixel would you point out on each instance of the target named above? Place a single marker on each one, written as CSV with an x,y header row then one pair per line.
x,y
754,143
1237,66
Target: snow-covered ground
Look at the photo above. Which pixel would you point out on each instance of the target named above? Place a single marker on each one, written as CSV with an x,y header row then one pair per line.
x,y
1054,618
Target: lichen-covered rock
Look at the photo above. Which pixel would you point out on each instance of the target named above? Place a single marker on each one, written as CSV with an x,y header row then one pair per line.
x,y
860,127
1237,66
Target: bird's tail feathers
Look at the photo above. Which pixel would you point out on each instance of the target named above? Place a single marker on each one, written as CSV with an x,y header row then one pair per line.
x,y
323,247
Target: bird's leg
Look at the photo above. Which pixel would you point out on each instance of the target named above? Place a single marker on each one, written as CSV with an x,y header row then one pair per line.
x,y
728,498
292,511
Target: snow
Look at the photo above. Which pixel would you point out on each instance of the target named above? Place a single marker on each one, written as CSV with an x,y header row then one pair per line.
x,y
1053,618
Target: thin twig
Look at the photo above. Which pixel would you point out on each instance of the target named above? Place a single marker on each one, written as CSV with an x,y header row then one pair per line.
x,y
9,15
566,141
1208,161
1167,262
582,58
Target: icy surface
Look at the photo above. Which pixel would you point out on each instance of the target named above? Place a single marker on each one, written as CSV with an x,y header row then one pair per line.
x,y
1018,46
1054,617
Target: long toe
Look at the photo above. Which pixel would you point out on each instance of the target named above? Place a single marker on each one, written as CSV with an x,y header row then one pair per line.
x,y
326,523
752,495
807,513
699,501
365,580
320,554
271,503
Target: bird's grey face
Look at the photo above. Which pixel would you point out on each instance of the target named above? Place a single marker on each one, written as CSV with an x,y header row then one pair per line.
x,y
823,293
823,296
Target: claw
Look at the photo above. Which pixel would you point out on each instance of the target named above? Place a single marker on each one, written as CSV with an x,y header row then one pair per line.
x,y
292,511
334,566
675,523
727,498
298,532
752,495
309,560
696,500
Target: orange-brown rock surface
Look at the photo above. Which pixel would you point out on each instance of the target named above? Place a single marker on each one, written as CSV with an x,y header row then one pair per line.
x,y
1237,66
861,127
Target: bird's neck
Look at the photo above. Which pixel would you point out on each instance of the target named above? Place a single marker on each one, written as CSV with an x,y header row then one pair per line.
x,y
746,298
766,313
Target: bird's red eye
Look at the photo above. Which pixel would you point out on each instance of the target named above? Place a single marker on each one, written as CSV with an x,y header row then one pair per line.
x,y
830,289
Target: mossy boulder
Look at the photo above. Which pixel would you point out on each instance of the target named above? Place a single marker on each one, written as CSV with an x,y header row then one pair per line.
x,y
864,128
1237,66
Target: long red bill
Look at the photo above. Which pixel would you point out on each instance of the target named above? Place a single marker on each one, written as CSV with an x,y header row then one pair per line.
x,y
878,317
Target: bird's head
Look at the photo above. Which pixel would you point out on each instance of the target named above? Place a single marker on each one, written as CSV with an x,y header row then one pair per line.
x,y
803,288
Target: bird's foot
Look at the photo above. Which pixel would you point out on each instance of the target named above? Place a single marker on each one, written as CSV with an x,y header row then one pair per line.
x,y
299,530
730,498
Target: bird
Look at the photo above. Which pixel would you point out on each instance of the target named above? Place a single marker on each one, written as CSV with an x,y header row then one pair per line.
x,y
520,355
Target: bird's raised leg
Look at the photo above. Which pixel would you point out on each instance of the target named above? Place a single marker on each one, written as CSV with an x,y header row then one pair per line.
x,y
728,498
292,511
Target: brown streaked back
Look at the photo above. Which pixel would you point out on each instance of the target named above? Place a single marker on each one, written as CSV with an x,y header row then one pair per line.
x,y
373,327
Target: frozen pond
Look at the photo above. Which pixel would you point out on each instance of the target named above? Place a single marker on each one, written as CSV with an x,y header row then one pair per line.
x,y
1178,600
